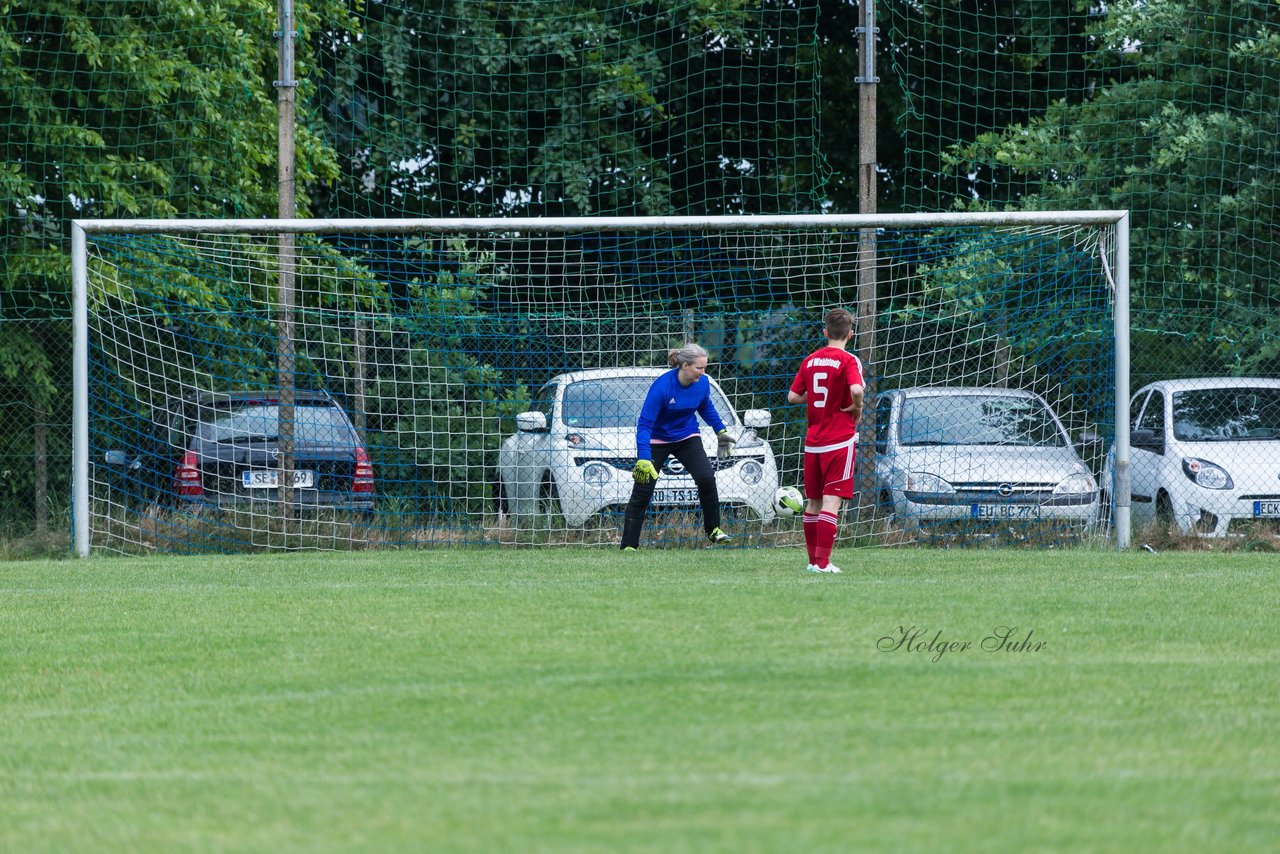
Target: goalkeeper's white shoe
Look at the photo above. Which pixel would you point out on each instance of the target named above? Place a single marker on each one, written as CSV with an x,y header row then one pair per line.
x,y
830,568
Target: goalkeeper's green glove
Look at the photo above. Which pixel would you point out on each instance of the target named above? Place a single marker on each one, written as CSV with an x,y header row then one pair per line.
x,y
644,472
726,443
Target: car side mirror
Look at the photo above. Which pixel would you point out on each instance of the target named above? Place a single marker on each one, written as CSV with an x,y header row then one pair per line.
x,y
1088,437
757,419
531,422
121,460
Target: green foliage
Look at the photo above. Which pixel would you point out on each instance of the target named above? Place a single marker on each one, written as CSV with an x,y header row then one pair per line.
x,y
573,107
199,315
157,108
1184,135
954,69
132,115
440,417
24,363
441,412
1014,310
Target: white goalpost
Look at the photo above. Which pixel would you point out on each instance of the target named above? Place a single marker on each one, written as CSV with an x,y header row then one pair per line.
x,y
476,381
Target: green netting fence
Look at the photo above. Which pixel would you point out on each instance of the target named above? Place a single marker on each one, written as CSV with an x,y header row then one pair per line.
x,y
541,107
1168,109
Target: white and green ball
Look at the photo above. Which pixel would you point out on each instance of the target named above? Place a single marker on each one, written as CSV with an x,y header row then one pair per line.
x,y
788,501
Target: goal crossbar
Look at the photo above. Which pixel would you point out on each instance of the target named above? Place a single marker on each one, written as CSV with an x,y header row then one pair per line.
x,y
625,223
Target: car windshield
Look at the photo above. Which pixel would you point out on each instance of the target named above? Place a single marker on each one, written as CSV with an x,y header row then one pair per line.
x,y
1226,414
616,402
311,425
978,420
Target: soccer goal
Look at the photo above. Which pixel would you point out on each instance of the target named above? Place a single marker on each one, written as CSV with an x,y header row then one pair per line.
x,y
336,384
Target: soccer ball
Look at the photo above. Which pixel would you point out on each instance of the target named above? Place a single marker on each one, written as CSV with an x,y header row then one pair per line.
x,y
788,501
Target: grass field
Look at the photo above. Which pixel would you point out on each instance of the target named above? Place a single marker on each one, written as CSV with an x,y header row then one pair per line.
x,y
522,700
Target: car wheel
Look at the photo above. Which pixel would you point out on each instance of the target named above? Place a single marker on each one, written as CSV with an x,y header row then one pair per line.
x,y
548,499
1164,512
500,497
884,504
885,509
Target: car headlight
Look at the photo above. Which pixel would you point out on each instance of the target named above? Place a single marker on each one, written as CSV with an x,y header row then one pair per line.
x,y
579,442
596,474
1206,474
919,481
751,472
1076,484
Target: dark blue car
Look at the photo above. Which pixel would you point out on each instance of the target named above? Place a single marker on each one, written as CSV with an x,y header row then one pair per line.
x,y
224,450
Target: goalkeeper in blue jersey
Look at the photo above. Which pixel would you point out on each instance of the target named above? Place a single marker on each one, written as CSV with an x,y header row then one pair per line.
x,y
668,427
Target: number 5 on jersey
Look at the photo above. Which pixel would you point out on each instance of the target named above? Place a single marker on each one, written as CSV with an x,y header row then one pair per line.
x,y
820,387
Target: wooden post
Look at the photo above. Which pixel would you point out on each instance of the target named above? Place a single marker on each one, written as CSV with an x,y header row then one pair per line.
x,y
286,91
865,338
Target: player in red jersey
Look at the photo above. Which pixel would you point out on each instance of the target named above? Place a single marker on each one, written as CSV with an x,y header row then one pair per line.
x,y
829,383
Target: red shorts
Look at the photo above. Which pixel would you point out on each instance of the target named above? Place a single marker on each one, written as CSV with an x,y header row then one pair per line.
x,y
829,472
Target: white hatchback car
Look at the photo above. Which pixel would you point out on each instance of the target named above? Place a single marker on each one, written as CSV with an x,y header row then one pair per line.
x,y
956,453
1204,453
573,452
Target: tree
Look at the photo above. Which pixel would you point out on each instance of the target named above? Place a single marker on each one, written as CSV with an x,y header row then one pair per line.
x,y
156,108
1185,135
478,108
949,70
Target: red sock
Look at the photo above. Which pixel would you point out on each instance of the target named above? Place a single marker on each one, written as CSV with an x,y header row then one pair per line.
x,y
824,539
811,535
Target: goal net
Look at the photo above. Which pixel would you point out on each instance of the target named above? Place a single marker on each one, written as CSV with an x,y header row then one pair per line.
x,y
253,385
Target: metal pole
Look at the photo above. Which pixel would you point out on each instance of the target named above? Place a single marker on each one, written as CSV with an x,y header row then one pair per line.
x,y
80,392
866,313
1123,486
286,89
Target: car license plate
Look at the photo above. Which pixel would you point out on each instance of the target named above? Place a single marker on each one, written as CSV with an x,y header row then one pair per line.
x,y
1004,511
675,496
270,478
1266,509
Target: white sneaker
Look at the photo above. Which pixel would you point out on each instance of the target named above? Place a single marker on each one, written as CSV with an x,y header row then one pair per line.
x,y
831,568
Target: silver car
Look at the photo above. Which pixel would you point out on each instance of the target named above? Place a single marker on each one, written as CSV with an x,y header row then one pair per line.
x,y
956,453
573,452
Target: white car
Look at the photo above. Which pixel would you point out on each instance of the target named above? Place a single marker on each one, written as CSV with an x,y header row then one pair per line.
x,y
573,452
1204,454
956,453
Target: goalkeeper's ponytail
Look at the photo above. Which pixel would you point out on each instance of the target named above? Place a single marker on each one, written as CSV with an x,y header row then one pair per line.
x,y
686,355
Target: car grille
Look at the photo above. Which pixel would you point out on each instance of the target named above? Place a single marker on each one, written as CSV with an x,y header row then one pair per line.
x,y
980,492
628,463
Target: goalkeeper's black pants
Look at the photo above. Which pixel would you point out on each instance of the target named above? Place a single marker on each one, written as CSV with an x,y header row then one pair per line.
x,y
694,459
